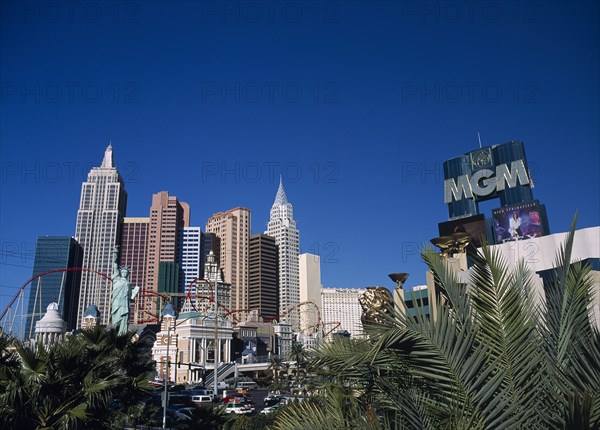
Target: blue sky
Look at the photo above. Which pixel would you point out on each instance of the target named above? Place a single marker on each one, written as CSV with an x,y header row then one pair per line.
x,y
356,105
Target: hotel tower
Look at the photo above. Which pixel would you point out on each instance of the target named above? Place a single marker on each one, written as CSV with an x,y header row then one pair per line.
x,y
282,227
98,230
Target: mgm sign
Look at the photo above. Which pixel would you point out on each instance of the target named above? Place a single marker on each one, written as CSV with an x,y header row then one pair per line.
x,y
486,181
498,171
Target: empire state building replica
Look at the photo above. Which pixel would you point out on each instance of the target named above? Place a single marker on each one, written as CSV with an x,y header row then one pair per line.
x,y
98,230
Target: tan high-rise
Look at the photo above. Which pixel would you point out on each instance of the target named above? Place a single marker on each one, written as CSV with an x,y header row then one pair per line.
x,y
233,230
167,217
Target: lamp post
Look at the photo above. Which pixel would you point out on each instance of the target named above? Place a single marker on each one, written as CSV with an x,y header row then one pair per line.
x,y
217,343
166,378
217,352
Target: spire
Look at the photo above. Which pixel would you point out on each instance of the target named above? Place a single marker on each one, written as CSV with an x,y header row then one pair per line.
x,y
280,198
107,161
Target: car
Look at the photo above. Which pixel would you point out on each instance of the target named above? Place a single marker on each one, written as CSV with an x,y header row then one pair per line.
x,y
238,408
181,412
202,400
270,409
272,400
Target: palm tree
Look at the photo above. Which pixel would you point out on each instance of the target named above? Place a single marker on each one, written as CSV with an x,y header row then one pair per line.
x,y
492,356
276,364
71,383
298,354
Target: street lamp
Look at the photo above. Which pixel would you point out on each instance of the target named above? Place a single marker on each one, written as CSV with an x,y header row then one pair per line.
x,y
217,352
217,343
168,310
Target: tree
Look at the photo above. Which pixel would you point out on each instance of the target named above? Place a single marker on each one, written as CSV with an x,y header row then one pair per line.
x,y
276,365
492,356
298,354
73,383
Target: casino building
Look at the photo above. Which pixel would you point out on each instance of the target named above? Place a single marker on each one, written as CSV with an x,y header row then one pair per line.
x,y
518,228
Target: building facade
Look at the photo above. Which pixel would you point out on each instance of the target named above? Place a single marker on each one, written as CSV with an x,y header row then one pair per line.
x,y
341,310
232,228
191,341
263,279
99,227
134,249
190,243
51,253
282,227
168,216
310,292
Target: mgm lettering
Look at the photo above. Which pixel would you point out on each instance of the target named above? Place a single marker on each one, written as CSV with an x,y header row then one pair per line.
x,y
483,182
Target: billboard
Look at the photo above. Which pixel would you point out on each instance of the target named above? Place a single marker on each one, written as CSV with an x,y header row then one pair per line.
x,y
474,225
518,222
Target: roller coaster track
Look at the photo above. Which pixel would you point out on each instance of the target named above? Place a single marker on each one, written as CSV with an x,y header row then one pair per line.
x,y
165,296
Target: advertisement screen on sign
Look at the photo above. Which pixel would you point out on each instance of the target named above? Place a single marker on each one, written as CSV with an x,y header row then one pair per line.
x,y
518,222
474,225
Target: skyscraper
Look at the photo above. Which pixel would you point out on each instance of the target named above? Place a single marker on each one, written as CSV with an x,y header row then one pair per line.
x,y
168,217
134,250
232,228
310,291
190,243
51,253
263,280
282,227
195,245
98,230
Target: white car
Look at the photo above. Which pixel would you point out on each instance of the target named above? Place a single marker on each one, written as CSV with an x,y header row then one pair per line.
x,y
238,408
270,409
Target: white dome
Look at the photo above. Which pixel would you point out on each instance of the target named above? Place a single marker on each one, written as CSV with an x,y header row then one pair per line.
x,y
51,322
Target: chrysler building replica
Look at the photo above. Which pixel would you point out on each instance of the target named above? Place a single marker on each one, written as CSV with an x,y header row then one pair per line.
x,y
282,227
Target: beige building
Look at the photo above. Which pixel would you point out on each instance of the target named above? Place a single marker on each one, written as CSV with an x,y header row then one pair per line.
x,y
233,230
167,217
310,292
341,310
191,344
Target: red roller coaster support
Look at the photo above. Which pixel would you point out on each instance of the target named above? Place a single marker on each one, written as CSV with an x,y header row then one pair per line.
x,y
70,269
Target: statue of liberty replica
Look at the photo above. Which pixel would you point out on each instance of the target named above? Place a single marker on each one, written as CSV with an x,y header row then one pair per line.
x,y
121,295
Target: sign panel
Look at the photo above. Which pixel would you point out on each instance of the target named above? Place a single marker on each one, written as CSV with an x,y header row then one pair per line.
x,y
474,225
485,182
518,222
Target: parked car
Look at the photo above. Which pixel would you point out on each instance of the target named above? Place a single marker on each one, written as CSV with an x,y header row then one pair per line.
x,y
270,409
202,400
181,412
272,400
238,408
